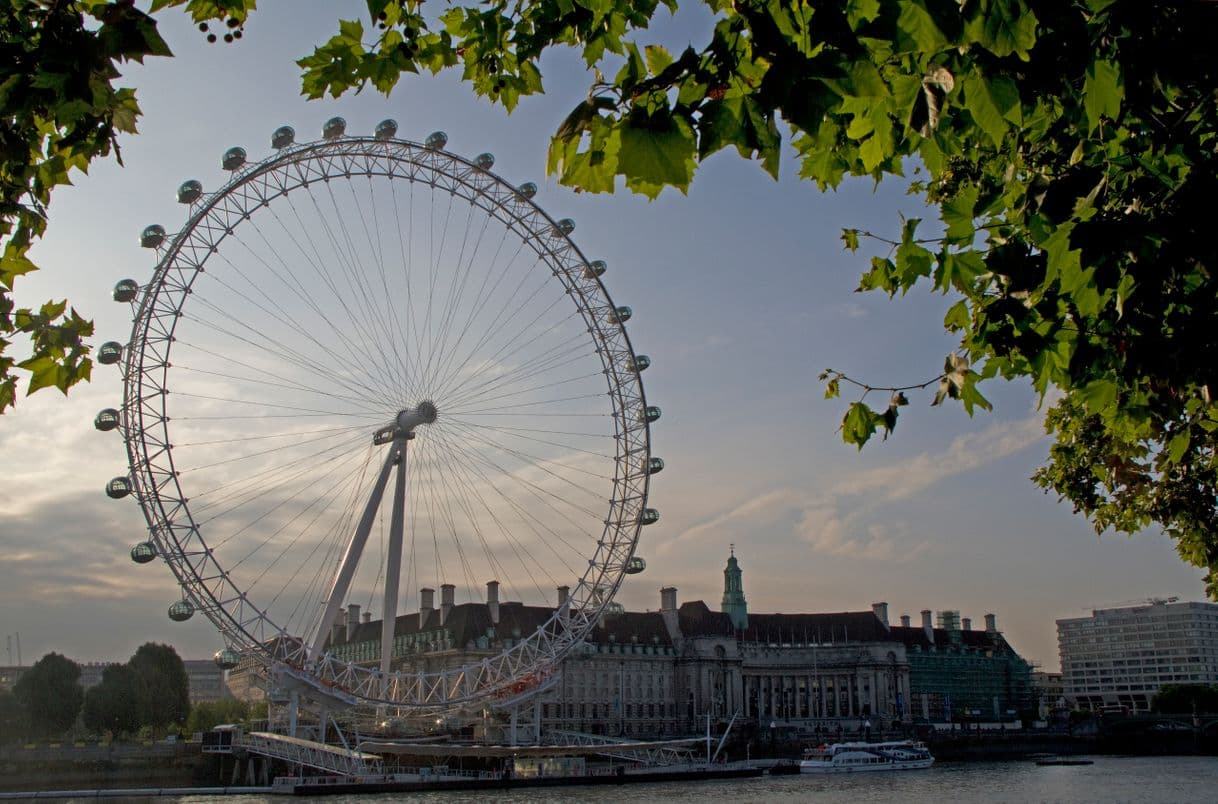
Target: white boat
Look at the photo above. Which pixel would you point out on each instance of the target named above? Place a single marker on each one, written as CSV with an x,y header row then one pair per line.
x,y
863,757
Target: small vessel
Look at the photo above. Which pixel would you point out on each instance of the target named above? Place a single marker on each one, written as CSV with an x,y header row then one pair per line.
x,y
863,757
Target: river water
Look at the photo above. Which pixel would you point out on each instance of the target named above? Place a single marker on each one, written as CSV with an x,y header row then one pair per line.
x,y
1110,779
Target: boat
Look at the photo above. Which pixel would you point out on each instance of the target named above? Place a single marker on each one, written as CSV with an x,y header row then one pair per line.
x,y
863,757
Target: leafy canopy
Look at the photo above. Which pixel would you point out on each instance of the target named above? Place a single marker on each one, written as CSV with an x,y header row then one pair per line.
x,y
1068,145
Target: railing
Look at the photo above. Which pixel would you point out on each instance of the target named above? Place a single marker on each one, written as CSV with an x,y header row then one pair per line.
x,y
311,754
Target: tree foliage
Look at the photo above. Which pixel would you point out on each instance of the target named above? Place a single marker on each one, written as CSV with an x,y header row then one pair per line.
x,y
162,688
12,718
50,695
1184,699
206,715
113,704
1068,146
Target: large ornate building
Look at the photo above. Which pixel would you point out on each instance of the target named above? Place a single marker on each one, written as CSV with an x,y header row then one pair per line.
x,y
662,673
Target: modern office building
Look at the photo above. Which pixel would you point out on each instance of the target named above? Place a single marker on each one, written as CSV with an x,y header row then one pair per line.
x,y
1123,656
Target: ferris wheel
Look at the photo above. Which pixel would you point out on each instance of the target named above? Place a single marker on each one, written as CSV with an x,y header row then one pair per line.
x,y
360,314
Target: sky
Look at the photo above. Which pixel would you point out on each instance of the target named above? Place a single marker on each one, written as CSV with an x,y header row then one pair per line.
x,y
742,295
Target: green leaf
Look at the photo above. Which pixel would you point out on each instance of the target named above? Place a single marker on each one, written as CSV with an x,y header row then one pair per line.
x,y
1099,395
657,58
1177,446
958,214
851,238
860,12
656,153
1002,26
1103,91
916,29
994,105
957,317
858,425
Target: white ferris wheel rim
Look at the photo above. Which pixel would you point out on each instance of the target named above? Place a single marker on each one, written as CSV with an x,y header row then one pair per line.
x,y
245,626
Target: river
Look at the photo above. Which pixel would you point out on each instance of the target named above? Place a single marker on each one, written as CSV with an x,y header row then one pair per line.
x,y
1110,779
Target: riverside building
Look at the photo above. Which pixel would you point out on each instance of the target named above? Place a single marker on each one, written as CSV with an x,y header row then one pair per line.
x,y
1123,656
664,673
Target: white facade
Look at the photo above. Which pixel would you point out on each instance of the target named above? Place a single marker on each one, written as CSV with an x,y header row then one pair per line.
x,y
1123,656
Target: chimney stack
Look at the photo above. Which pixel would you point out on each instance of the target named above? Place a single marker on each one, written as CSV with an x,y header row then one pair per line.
x,y
991,623
881,612
967,623
492,601
928,626
904,620
564,592
668,598
352,619
367,617
447,591
427,605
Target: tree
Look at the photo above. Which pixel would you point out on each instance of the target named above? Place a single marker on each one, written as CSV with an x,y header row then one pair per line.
x,y
1184,699
206,715
162,688
113,705
12,718
1067,144
49,694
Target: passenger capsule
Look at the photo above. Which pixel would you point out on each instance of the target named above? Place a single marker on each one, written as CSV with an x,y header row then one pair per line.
x,y
334,128
620,315
639,363
436,141
227,659
528,189
118,487
181,611
635,565
595,268
107,419
651,413
484,161
152,236
233,159
109,353
386,129
143,552
283,137
650,516
125,290
564,227
655,466
190,191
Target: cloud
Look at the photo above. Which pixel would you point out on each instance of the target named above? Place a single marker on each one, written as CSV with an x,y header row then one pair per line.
x,y
838,520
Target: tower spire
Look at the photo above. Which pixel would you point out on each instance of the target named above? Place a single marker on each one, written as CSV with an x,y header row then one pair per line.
x,y
734,604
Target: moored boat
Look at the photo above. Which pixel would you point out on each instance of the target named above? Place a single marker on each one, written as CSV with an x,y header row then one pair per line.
x,y
863,757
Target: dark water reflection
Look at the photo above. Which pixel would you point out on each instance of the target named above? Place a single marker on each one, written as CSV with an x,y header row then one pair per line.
x,y
1110,779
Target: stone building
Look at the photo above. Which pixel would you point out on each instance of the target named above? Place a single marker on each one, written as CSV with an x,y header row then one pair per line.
x,y
665,673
